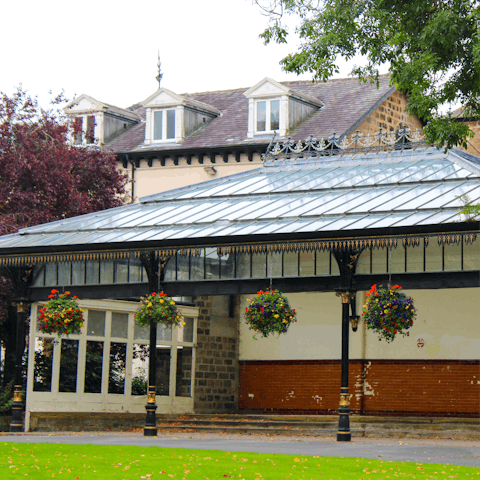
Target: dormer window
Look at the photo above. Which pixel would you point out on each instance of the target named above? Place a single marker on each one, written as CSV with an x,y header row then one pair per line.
x,y
96,122
268,115
163,125
171,118
84,130
273,107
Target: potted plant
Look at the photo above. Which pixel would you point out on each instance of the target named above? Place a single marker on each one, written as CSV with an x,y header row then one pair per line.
x,y
269,312
388,312
158,308
61,314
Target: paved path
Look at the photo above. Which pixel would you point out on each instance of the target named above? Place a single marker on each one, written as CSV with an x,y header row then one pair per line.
x,y
400,450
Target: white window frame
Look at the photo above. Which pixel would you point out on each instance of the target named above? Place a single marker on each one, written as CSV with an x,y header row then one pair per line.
x,y
83,140
55,401
164,125
268,111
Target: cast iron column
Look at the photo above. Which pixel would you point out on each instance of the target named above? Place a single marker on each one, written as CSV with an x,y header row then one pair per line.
x,y
150,429
344,434
16,424
346,262
154,266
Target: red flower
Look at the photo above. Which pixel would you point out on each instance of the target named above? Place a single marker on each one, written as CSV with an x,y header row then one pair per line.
x,y
54,291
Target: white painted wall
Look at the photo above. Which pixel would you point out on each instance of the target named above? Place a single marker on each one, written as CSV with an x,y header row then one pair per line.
x,y
448,322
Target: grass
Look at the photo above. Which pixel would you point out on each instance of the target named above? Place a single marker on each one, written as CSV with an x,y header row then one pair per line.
x,y
37,460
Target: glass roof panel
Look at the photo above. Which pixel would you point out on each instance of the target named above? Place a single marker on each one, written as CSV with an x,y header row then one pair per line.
x,y
292,206
421,199
414,219
440,217
409,170
400,196
359,202
366,221
307,179
317,225
389,220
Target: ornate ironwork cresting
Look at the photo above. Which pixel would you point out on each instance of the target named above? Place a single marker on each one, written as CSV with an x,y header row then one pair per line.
x,y
339,145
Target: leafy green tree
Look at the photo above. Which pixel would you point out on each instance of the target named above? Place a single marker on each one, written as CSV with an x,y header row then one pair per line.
x,y
431,47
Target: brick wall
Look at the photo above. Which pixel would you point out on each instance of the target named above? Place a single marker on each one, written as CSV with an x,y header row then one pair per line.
x,y
390,116
474,143
377,387
216,365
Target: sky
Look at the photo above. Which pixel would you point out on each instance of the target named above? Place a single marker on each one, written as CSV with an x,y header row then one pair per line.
x,y
108,49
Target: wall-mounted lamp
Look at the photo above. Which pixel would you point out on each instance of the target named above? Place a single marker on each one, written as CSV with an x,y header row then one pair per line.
x,y
210,170
354,321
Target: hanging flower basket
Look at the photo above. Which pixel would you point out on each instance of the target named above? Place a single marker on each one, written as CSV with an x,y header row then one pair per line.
x,y
158,308
388,312
269,312
61,314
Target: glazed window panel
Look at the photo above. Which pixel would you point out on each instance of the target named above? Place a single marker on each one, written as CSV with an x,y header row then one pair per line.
x,y
261,116
334,265
164,332
93,367
185,334
106,271
78,273
140,368
397,259
323,262
117,367
307,263
274,114
135,270
68,366
158,125
452,257
471,255
197,266
64,273
121,271
92,272
43,365
162,380
379,260
415,259
259,264
183,267
141,333
274,264
119,325
96,323
212,264
183,387
290,264
243,265
170,124
433,257
363,263
51,274
227,266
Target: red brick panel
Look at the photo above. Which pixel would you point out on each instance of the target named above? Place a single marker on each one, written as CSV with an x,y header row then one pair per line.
x,y
377,387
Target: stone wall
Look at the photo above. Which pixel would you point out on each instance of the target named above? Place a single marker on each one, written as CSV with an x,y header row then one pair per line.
x,y
216,365
390,116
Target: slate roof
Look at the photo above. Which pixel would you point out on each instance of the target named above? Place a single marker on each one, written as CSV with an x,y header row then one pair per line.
x,y
309,198
347,103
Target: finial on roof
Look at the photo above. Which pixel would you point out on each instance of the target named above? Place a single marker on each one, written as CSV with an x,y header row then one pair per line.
x,y
160,74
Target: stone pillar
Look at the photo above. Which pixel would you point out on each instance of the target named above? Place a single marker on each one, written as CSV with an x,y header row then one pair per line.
x,y
216,367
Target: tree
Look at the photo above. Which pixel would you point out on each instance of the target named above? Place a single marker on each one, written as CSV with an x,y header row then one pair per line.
x,y
44,177
431,47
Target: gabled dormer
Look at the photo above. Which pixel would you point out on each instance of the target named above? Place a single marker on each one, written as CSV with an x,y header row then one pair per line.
x,y
97,122
275,108
171,118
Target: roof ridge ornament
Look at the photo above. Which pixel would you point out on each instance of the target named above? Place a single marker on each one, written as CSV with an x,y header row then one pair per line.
x,y
160,74
402,139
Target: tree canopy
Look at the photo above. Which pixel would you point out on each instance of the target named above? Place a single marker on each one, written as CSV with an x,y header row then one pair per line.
x,y
431,47
44,177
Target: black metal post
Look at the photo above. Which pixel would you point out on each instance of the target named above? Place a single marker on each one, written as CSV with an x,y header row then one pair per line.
x,y
150,429
346,260
344,434
16,424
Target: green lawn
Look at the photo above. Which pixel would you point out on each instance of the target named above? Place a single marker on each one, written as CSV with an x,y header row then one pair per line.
x,y
37,460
